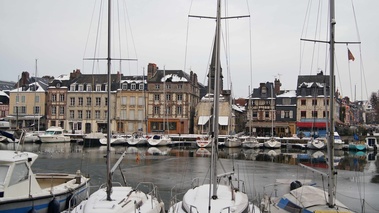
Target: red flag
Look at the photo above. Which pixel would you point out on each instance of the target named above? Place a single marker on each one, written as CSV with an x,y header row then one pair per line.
x,y
350,55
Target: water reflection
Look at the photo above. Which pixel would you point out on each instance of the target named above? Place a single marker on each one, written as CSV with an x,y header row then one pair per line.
x,y
343,160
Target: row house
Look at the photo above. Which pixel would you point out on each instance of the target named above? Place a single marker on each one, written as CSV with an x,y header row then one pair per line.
x,y
131,105
171,100
87,100
261,109
313,104
27,103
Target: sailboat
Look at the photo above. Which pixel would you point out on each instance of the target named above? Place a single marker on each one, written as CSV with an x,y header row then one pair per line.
x,y
306,198
250,141
272,143
109,198
221,194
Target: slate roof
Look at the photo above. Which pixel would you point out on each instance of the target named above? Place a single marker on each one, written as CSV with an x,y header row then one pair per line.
x,y
7,85
171,76
94,79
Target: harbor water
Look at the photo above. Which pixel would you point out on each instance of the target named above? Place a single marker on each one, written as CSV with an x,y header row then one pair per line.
x,y
166,167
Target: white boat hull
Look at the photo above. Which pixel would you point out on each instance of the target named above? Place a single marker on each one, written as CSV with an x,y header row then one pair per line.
x,y
272,144
124,199
54,139
317,144
161,141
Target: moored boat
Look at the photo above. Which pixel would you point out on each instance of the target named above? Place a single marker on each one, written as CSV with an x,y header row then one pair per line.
x,y
54,135
24,191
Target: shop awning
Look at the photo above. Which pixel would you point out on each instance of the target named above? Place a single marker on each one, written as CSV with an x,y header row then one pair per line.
x,y
223,120
203,120
311,124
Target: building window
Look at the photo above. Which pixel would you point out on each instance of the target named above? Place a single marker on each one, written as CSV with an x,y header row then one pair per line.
x,y
80,101
303,114
89,100
97,114
53,97
53,110
36,110
123,114
72,101
157,86
168,110
255,114
124,86
98,87
314,114
61,110
303,102
140,86
168,86
327,102
267,114
140,101
36,99
133,100
98,101
180,86
179,97
89,87
263,90
314,102
286,114
133,86
72,114
140,114
61,97
156,97
131,114
168,97
156,110
123,100
286,101
106,101
267,102
179,110
88,114
80,114
72,88
80,88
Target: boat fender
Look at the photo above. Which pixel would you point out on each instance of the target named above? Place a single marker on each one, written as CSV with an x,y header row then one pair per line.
x,y
295,184
53,206
33,210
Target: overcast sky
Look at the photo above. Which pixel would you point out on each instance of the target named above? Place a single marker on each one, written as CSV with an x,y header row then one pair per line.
x,y
60,34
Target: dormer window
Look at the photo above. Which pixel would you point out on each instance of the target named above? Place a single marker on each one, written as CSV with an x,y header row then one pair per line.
x,y
157,86
57,86
106,87
141,87
264,90
89,87
72,87
98,87
80,88
124,86
133,86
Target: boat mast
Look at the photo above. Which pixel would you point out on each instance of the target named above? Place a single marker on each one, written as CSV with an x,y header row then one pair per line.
x,y
332,23
109,175
216,102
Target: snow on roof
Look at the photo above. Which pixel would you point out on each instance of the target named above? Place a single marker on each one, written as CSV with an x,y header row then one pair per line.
x,y
4,94
63,77
209,97
39,88
133,81
309,84
174,78
288,94
238,108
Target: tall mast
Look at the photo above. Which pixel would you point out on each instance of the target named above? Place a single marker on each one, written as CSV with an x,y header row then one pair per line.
x,y
109,175
216,102
332,23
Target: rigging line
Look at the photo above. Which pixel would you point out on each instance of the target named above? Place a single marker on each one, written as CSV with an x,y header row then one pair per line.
x,y
119,36
89,30
97,38
338,75
250,48
318,24
127,20
304,28
186,42
348,67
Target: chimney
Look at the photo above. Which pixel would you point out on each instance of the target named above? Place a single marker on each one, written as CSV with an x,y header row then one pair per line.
x,y
151,70
75,73
277,85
